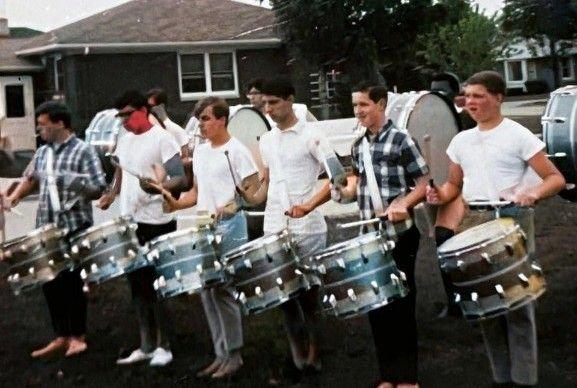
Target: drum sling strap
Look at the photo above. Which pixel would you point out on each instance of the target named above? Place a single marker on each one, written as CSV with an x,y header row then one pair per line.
x,y
374,191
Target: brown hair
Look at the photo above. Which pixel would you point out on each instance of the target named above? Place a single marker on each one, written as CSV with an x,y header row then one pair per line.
x,y
376,92
219,107
491,80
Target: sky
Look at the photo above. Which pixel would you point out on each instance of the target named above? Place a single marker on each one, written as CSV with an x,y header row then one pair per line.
x,y
46,15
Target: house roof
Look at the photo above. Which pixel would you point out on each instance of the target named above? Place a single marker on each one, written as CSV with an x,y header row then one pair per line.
x,y
532,49
9,62
141,23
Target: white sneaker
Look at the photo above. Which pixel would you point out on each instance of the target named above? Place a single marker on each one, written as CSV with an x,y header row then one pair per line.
x,y
161,357
136,356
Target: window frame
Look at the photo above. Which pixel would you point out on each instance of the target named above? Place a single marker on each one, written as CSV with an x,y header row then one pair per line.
x,y
188,96
570,67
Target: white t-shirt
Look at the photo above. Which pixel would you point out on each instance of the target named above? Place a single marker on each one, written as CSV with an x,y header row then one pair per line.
x,y
295,162
137,153
177,132
494,161
216,186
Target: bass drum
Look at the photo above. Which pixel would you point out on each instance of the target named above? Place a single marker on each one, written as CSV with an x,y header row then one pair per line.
x,y
559,130
247,124
431,121
102,134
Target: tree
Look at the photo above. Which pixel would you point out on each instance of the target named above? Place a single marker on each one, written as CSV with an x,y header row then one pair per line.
x,y
466,47
549,23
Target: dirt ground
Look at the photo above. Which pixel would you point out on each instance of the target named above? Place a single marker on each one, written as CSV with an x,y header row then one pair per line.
x,y
451,351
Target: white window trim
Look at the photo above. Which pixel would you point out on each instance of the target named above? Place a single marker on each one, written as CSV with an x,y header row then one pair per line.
x,y
208,79
56,58
516,83
571,69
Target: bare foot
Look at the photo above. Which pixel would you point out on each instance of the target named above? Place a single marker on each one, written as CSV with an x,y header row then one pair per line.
x,y
57,344
207,371
229,368
76,345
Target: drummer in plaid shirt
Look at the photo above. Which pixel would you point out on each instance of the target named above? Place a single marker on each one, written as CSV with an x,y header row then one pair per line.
x,y
78,179
400,171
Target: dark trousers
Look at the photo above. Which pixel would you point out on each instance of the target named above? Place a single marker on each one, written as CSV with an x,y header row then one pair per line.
x,y
67,304
394,326
153,320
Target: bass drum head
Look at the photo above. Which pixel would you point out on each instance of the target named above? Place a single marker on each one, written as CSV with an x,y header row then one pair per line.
x,y
248,125
559,127
102,134
431,121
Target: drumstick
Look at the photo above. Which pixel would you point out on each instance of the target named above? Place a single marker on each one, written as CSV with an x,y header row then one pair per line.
x,y
116,163
361,222
230,169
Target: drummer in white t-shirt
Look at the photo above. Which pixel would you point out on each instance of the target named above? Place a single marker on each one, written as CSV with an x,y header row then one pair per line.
x,y
491,162
222,167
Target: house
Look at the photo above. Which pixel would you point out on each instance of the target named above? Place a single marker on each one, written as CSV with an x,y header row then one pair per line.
x,y
527,61
191,48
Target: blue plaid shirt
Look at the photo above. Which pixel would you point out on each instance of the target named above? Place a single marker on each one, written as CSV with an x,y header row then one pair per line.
x,y
397,162
72,157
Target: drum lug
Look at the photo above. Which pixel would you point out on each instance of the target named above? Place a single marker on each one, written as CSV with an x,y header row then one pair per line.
x,y
85,244
210,238
123,229
83,274
523,278
178,275
457,298
32,271
268,258
51,263
395,279
486,257
241,297
391,244
331,300
247,263
298,272
341,263
153,255
8,254
66,256
112,260
133,227
364,258
94,268
286,246
474,297
321,269
403,276
500,290
352,295
280,283
461,265
131,254
375,286
258,292
217,265
24,248
536,268
199,268
74,249
172,249
218,238
85,288
230,269
510,249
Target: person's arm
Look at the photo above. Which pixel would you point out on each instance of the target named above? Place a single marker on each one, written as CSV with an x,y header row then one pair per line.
x,y
177,183
107,198
25,187
553,181
186,200
449,190
320,197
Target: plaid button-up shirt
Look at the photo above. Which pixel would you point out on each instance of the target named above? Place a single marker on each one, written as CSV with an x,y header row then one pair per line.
x,y
70,158
397,162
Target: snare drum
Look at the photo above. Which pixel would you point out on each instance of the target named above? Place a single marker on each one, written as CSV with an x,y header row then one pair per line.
x,y
359,275
186,261
35,258
265,272
490,270
106,251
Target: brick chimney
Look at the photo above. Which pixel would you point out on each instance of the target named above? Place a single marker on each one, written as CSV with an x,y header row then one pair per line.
x,y
4,30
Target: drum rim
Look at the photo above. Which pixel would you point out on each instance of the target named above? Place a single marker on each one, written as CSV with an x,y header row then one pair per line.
x,y
338,247
467,248
249,246
178,233
33,233
106,224
252,108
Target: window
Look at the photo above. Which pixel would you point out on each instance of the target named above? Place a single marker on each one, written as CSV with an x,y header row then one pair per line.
x,y
515,71
566,68
208,73
14,101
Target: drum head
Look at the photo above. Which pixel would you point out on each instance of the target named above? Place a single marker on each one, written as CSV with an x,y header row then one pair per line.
x,y
559,133
102,134
248,125
478,235
431,121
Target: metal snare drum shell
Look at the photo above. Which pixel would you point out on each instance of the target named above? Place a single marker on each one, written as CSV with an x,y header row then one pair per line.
x,y
359,275
35,258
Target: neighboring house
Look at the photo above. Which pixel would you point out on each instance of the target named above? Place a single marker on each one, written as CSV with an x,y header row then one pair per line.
x,y
527,61
17,76
191,48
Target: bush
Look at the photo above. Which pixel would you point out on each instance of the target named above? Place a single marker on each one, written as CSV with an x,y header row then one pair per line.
x,y
536,86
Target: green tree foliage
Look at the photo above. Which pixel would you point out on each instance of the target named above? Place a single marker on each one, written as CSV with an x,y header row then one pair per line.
x,y
465,47
546,22
364,38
